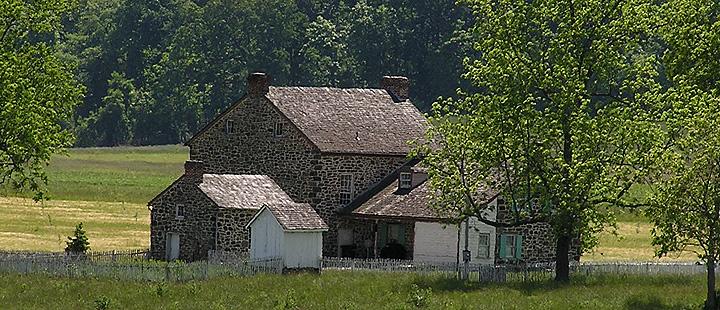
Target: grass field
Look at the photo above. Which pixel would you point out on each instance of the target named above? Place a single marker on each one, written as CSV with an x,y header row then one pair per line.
x,y
121,174
337,290
107,189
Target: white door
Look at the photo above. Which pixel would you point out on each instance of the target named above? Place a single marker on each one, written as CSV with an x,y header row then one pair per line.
x,y
172,250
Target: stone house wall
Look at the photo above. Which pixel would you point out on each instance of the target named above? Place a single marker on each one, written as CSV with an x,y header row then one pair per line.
x,y
538,243
292,161
232,235
196,228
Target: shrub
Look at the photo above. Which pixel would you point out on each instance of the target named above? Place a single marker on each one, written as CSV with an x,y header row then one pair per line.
x,y
78,242
419,297
102,303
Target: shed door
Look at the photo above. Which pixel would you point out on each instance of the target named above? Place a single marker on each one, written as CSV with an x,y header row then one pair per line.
x,y
172,249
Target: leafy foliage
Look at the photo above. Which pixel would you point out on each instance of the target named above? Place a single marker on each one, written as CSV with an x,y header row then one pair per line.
x,y
78,243
37,91
556,119
685,205
187,60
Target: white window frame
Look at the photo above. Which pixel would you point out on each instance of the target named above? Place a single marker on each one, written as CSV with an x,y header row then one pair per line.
x,y
279,129
405,180
483,247
179,211
345,194
229,126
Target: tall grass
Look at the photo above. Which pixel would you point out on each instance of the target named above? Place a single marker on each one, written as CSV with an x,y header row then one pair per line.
x,y
343,290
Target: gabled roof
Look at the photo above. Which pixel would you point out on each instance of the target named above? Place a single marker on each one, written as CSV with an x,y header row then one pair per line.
x,y
294,216
351,120
242,191
346,120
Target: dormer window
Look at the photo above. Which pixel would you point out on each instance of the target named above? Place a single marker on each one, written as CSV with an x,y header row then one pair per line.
x,y
229,126
279,129
405,180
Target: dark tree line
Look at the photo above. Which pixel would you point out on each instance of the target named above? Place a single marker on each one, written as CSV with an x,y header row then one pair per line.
x,y
156,71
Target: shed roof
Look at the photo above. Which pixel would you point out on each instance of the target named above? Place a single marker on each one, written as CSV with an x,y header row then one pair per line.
x,y
242,191
294,216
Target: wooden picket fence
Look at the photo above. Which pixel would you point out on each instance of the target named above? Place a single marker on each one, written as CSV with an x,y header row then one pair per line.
x,y
510,273
132,265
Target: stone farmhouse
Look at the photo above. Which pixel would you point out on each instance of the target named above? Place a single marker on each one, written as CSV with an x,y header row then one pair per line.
x,y
343,151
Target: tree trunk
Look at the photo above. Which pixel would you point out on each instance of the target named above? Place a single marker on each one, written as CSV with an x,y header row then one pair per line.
x,y
711,301
562,262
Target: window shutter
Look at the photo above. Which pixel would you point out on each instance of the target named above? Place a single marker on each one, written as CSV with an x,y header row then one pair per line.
x,y
382,235
518,246
502,246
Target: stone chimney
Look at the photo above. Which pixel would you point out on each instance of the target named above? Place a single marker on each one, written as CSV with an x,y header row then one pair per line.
x,y
194,170
258,83
397,86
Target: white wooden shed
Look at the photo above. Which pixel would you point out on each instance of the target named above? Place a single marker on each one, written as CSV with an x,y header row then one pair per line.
x,y
291,231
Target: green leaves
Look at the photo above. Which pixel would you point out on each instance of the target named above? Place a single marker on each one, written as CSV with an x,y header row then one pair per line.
x,y
558,113
37,92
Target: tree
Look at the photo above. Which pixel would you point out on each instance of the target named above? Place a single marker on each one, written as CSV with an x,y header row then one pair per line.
x,y
37,91
78,243
556,118
685,198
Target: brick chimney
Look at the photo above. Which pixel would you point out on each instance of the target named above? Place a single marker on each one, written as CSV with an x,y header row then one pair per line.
x,y
258,83
397,86
194,170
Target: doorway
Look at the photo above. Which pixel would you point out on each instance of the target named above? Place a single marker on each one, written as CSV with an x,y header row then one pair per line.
x,y
172,246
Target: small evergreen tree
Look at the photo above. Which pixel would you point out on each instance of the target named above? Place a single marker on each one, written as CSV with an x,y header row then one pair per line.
x,y
78,242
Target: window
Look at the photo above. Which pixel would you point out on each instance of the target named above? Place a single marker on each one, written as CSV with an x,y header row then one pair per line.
x,y
405,180
394,233
279,129
229,126
510,246
483,245
346,188
179,212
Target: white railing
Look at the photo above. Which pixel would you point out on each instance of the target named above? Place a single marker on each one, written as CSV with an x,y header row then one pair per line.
x,y
510,273
132,265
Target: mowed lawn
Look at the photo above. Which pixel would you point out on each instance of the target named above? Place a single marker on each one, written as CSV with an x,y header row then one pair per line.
x,y
108,189
345,290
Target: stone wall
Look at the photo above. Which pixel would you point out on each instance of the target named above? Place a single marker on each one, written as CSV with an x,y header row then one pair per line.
x,y
253,148
232,235
538,243
196,228
367,170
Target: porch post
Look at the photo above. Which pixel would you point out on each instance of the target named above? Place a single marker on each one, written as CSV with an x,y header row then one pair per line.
x,y
375,239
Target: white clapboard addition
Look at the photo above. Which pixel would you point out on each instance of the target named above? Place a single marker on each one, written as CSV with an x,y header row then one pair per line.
x,y
438,242
435,242
290,231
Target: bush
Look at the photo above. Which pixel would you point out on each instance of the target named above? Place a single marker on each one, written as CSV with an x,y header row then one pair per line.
x,y
102,303
78,242
419,297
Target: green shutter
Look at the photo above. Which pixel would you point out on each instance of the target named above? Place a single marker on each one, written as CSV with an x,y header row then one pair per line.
x,y
401,238
502,246
382,235
518,246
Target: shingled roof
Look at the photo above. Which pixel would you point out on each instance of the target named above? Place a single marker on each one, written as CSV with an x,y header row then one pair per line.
x,y
295,216
351,120
386,200
242,191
